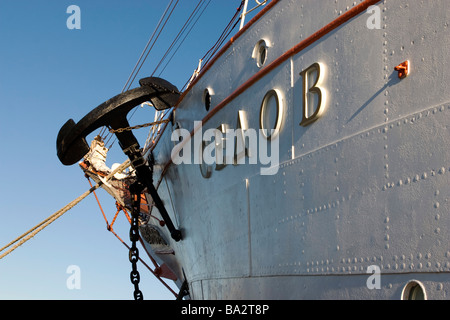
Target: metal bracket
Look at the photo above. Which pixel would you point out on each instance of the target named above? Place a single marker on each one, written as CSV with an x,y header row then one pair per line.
x,y
403,69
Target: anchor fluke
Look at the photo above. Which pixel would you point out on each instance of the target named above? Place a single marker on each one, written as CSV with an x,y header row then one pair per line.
x,y
78,148
168,96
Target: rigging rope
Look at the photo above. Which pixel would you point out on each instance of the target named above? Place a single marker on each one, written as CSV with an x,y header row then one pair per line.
x,y
180,33
148,43
159,33
182,41
134,73
45,223
129,83
225,34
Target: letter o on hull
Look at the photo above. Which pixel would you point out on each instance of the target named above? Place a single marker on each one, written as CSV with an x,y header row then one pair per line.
x,y
271,115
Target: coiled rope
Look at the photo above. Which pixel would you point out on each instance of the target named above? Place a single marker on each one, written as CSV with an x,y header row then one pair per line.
x,y
45,223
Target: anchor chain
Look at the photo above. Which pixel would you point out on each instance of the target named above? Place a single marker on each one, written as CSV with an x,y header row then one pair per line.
x,y
140,126
136,190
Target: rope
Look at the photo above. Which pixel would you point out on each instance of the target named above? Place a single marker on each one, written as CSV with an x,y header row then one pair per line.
x,y
182,41
146,47
225,33
181,32
45,223
148,52
142,59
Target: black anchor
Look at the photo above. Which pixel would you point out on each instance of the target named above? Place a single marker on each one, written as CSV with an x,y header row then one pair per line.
x,y
71,142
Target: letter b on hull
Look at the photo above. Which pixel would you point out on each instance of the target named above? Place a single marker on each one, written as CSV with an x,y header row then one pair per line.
x,y
314,97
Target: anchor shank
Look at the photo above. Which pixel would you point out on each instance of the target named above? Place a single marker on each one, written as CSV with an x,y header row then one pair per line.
x,y
131,148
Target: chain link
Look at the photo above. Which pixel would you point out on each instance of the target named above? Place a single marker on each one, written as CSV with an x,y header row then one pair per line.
x,y
120,130
134,237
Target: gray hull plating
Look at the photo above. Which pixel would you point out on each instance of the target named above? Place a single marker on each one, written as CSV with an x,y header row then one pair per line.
x,y
367,184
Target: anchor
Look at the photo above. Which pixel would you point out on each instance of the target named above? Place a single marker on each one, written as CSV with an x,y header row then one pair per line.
x,y
71,142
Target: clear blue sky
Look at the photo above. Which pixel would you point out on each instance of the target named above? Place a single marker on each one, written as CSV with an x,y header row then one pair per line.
x,y
49,74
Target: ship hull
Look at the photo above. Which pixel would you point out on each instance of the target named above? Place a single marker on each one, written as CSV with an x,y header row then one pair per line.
x,y
358,205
